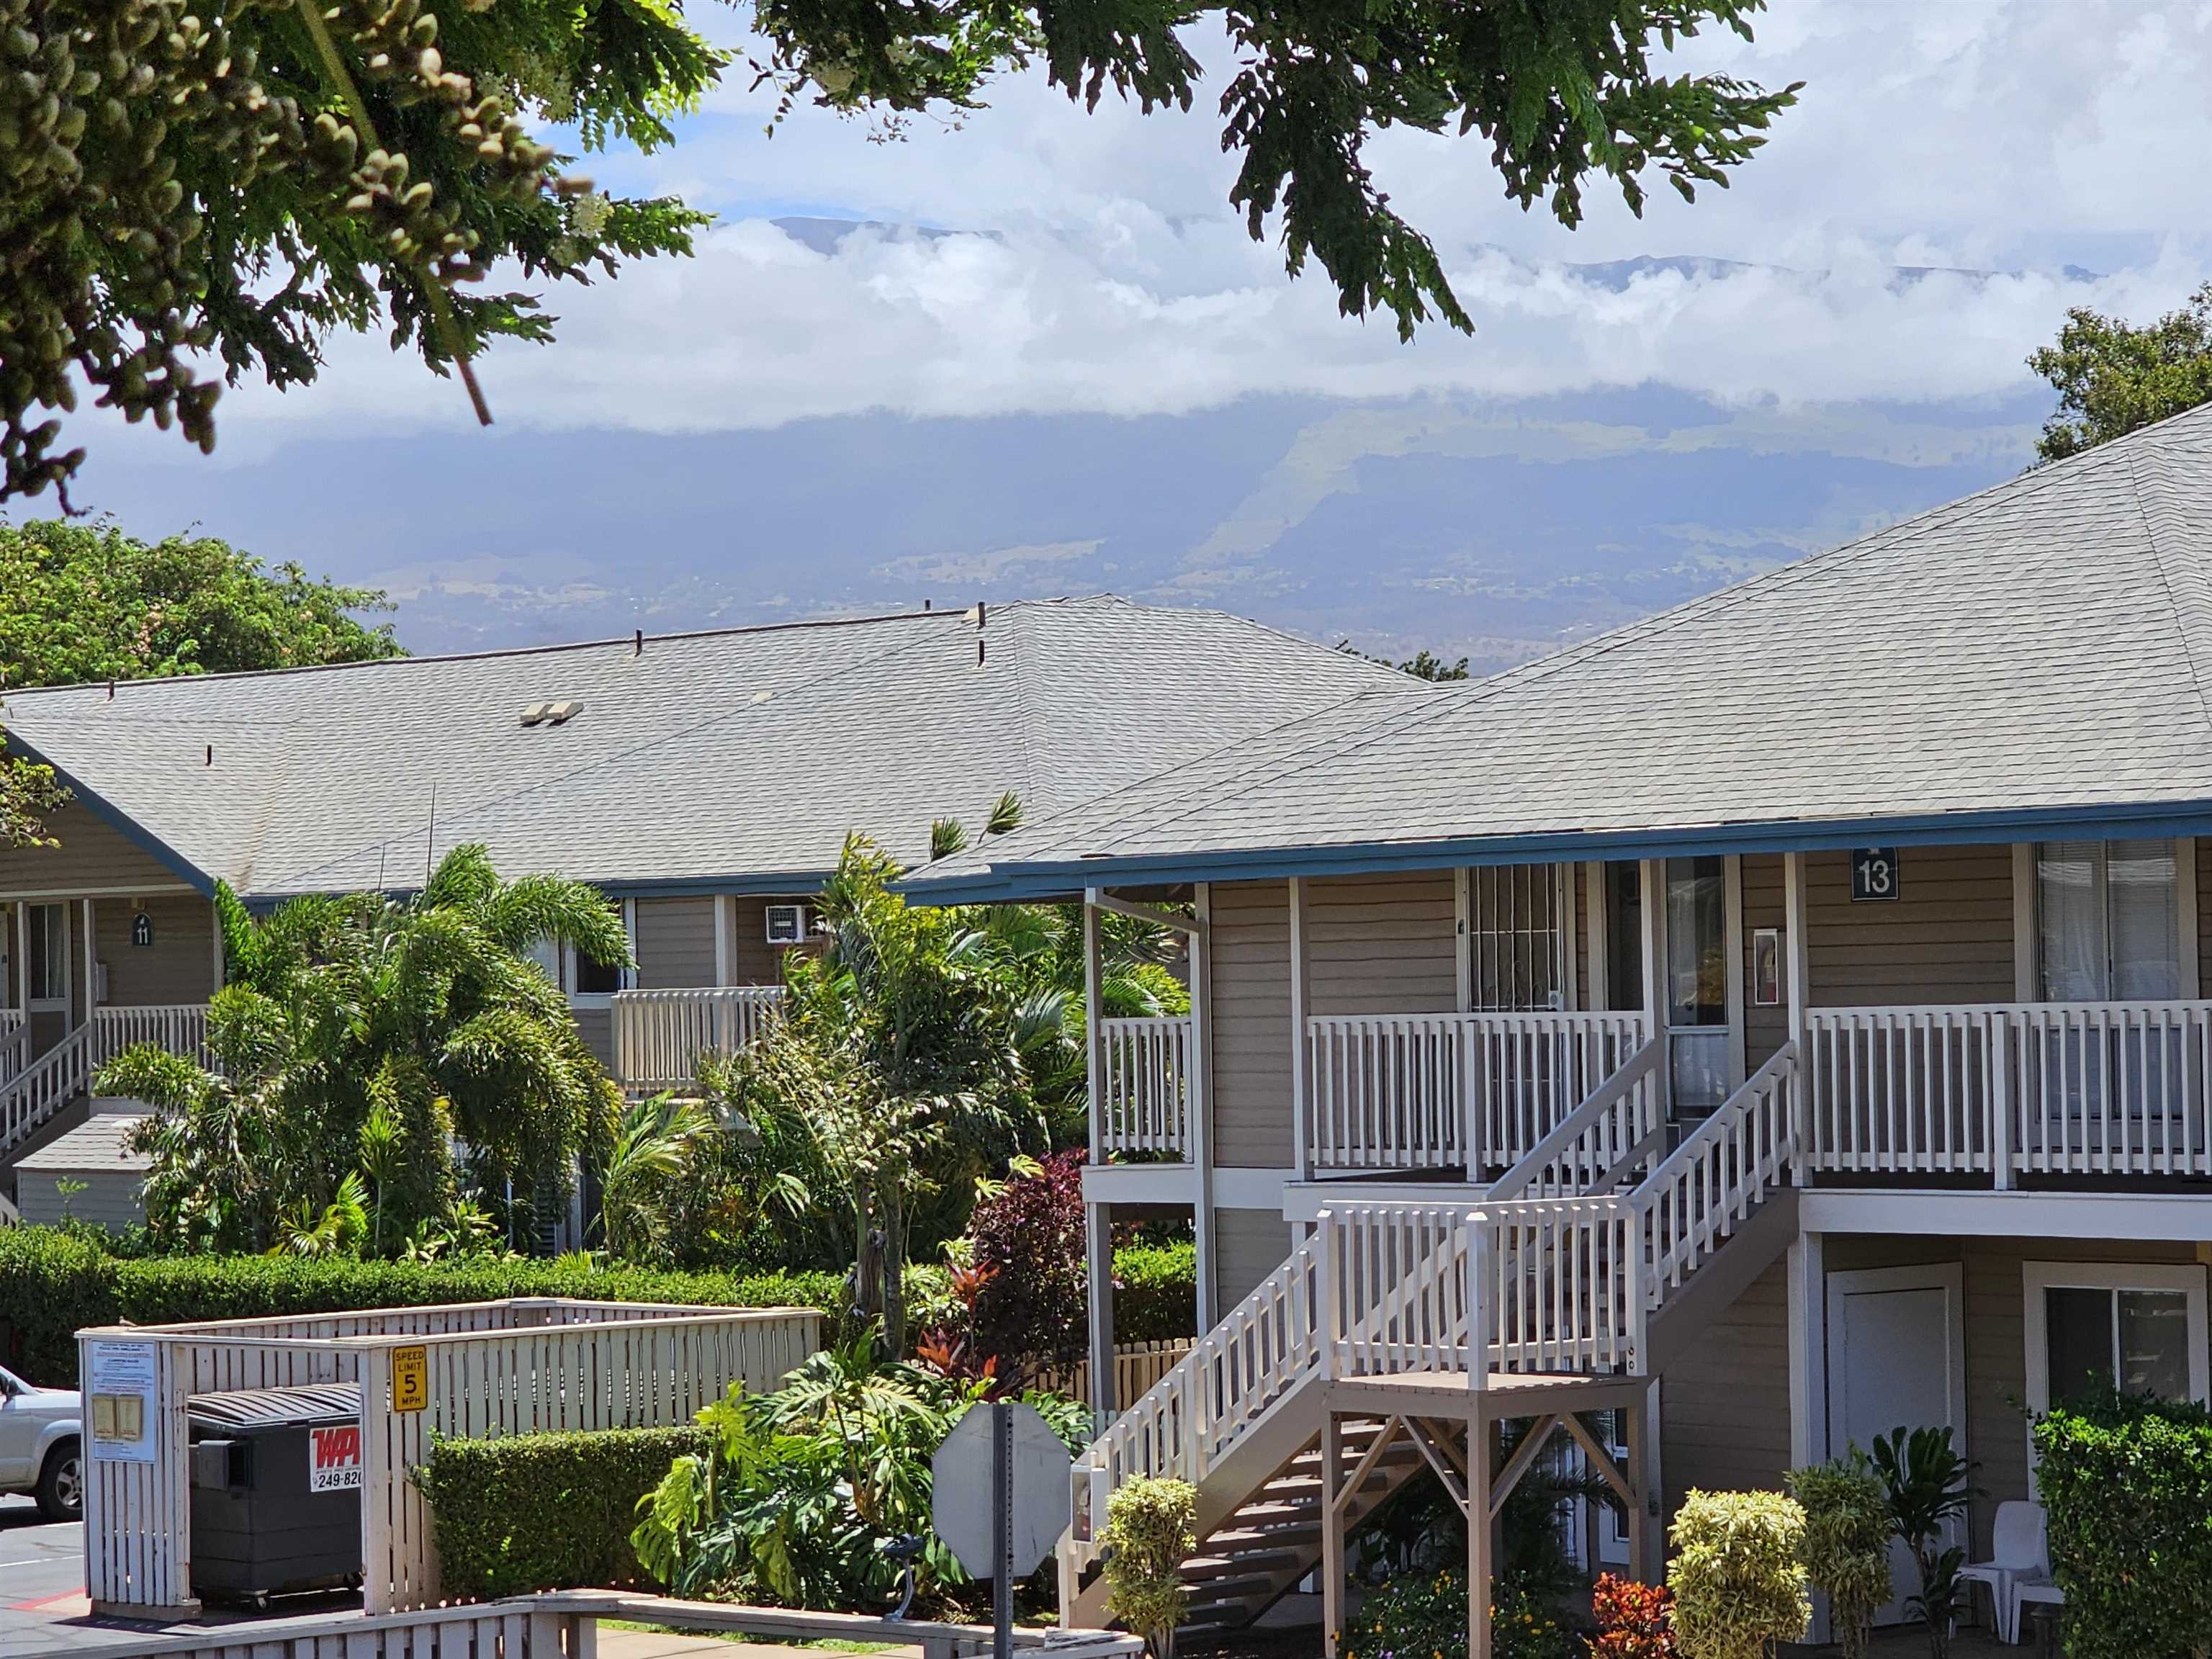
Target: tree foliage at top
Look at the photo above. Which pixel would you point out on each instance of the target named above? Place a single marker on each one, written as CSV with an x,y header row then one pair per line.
x,y
358,1038
190,191
85,602
183,185
2112,377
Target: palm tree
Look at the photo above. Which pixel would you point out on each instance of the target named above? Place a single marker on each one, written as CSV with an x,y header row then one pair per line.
x,y
396,1029
651,1150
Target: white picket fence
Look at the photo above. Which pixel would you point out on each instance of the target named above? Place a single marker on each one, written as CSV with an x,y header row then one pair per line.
x,y
492,1367
1417,1091
178,1028
2000,1089
1146,1073
659,1036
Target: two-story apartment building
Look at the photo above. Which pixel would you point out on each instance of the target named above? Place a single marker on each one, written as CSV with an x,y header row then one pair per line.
x,y
1777,1021
706,781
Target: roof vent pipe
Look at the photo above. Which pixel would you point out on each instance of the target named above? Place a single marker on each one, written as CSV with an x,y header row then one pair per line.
x,y
637,644
210,754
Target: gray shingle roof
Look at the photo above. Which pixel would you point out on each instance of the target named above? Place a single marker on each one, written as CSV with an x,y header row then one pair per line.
x,y
2042,647
715,758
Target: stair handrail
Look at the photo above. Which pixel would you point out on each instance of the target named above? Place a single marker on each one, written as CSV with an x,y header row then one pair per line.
x,y
14,1043
45,1087
1723,1170
1622,1121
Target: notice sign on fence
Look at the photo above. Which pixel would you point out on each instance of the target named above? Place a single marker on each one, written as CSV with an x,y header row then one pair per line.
x,y
119,1387
410,1378
334,1458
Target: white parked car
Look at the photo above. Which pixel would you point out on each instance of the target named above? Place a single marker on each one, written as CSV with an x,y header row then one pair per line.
x,y
41,1447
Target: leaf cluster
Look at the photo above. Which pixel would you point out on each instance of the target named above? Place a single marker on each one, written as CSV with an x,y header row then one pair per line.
x,y
1848,1527
1151,1527
2112,377
1735,1571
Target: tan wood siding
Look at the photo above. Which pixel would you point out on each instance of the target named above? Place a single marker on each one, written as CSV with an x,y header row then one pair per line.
x,y
1247,1246
92,853
754,961
1725,1408
110,1197
598,1026
178,967
1251,1030
675,943
1765,1030
1948,938
1382,945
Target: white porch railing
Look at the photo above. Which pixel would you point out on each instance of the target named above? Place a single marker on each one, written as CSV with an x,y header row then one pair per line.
x,y
2099,1089
1606,1141
44,1087
1724,1169
1146,1104
659,1036
15,1042
179,1027
1415,1091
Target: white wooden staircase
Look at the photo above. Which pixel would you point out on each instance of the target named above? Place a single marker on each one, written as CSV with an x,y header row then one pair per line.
x,y
1602,1252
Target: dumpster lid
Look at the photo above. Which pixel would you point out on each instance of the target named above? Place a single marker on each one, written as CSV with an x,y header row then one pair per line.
x,y
261,1407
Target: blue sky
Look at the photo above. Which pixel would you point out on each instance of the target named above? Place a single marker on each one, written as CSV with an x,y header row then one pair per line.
x,y
1089,377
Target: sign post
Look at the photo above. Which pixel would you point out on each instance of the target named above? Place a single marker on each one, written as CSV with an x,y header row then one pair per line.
x,y
999,1499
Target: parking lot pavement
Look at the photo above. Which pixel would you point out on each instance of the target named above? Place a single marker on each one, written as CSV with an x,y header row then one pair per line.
x,y
41,1582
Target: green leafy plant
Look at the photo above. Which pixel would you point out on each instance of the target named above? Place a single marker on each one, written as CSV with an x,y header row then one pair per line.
x,y
1415,1615
1929,1487
802,1490
1152,1525
2126,1484
395,1029
1737,1574
530,1512
653,1147
1155,1292
1846,1548
2112,377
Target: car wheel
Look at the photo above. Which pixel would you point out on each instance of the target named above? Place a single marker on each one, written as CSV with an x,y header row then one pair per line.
x,y
61,1483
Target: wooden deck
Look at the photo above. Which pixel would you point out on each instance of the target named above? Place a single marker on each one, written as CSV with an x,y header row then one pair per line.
x,y
1508,1394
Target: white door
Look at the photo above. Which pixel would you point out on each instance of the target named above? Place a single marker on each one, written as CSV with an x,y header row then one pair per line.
x,y
1896,1359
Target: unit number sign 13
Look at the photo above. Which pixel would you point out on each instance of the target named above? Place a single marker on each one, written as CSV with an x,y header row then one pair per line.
x,y
1873,874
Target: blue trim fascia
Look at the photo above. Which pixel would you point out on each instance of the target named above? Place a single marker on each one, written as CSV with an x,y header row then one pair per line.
x,y
1017,881
118,820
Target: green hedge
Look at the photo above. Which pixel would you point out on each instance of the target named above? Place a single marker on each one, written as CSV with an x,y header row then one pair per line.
x,y
1155,1292
52,1283
2126,1484
546,1511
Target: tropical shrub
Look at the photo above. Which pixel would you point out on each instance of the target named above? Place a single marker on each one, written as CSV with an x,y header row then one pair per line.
x,y
1026,1238
361,1036
800,1491
2126,1483
1927,1485
1738,1581
1846,1549
54,1282
1634,1621
530,1512
1425,1613
1155,1292
1152,1525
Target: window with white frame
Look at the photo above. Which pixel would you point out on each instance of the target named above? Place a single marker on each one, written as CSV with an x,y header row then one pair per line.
x,y
2107,920
1517,942
2139,1327
585,982
50,953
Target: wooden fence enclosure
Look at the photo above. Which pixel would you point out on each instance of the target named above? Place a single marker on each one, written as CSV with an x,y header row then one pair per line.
x,y
474,1370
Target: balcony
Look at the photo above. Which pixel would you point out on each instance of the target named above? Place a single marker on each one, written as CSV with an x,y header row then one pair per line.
x,y
660,1036
1144,1093
2056,1093
1470,1093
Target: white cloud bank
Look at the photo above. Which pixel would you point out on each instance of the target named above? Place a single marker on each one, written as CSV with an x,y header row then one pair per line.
x,y
1102,272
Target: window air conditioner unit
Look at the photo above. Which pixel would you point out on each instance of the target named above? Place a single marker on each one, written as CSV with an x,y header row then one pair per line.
x,y
786,924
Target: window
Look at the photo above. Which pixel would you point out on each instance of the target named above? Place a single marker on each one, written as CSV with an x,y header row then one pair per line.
x,y
49,973
1697,982
1515,939
2107,920
2092,1325
588,978
1624,935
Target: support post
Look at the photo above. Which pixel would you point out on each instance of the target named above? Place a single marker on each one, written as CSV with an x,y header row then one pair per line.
x,y
1093,1037
1481,1531
725,938
1201,1104
1331,1530
1301,1044
1329,1276
1480,1275
1797,973
91,968
23,957
1098,1251
1808,1371
1645,1533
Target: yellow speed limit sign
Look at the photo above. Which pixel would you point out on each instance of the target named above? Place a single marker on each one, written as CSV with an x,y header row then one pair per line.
x,y
410,1378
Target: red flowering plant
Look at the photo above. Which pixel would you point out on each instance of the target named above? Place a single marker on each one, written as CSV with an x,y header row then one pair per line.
x,y
952,1350
1030,1311
1634,1621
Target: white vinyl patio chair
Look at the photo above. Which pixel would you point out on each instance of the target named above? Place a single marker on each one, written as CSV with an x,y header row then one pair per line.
x,y
2020,1554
